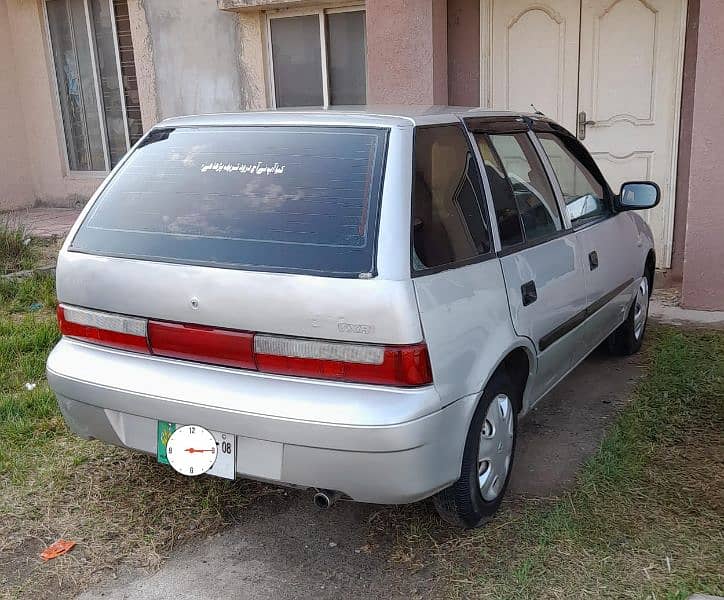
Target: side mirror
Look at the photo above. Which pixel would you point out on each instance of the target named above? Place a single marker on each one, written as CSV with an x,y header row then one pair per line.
x,y
638,195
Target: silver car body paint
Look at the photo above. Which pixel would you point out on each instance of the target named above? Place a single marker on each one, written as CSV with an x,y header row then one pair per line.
x,y
373,443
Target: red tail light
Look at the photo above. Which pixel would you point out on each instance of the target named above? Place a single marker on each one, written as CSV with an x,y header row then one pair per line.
x,y
204,344
387,365
404,366
127,333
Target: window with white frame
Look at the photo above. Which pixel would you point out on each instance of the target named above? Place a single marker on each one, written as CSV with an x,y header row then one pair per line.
x,y
318,58
97,90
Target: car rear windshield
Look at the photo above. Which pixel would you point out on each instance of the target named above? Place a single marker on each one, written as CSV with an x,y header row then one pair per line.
x,y
291,199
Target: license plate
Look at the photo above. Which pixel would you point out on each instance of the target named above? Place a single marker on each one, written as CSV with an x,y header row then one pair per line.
x,y
225,463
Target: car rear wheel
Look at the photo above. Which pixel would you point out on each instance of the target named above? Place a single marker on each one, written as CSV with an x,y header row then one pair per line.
x,y
487,459
627,339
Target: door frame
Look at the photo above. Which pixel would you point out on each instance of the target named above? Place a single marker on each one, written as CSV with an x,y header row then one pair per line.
x,y
486,40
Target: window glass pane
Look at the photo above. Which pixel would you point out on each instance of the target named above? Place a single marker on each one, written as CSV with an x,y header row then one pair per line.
x,y
128,71
531,189
447,215
270,198
506,210
76,87
108,76
346,49
296,58
583,193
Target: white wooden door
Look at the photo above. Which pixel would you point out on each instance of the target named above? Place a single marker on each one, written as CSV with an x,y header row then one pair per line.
x,y
532,56
630,74
627,81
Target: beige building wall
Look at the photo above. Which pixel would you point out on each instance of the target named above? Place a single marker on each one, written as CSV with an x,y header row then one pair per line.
x,y
703,281
35,84
407,52
190,57
16,185
205,59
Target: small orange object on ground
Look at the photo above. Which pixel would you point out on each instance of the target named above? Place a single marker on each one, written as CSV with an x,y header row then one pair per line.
x,y
57,549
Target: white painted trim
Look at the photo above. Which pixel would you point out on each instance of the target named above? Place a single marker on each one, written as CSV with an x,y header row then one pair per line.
x,y
341,6
679,75
324,57
269,63
344,9
486,44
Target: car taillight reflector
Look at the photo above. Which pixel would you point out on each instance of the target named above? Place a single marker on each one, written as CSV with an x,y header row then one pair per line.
x,y
118,331
203,344
405,366
387,365
318,349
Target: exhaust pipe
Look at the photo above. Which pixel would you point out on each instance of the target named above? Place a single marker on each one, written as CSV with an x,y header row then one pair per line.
x,y
324,499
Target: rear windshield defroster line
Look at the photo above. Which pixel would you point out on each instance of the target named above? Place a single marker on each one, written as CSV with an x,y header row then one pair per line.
x,y
289,199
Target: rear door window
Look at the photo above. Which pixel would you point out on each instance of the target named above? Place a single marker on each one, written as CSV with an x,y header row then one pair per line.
x,y
292,199
448,219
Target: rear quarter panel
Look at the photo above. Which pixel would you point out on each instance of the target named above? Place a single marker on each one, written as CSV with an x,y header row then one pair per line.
x,y
466,323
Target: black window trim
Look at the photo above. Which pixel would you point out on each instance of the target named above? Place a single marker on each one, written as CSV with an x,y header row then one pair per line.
x,y
526,244
551,183
514,125
547,126
490,254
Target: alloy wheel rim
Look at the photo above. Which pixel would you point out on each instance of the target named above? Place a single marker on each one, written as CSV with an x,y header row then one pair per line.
x,y
495,448
641,307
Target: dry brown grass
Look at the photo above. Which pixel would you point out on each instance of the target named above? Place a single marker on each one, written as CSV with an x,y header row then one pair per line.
x,y
122,508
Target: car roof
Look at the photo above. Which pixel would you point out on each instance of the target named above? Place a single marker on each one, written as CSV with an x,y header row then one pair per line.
x,y
369,115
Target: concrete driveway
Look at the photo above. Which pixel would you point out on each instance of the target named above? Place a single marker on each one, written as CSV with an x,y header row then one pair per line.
x,y
287,549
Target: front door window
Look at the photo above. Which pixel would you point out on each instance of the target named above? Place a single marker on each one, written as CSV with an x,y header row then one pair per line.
x,y
583,193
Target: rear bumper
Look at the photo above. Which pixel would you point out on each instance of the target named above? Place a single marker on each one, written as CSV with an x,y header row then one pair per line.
x,y
373,443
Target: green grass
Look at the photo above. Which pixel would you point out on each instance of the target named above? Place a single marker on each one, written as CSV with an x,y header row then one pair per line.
x,y
121,507
645,518
16,251
23,295
27,333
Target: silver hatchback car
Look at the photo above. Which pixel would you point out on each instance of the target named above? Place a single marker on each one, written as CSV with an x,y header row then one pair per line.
x,y
359,302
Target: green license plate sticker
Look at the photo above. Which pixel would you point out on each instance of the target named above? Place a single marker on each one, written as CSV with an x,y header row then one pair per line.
x,y
164,430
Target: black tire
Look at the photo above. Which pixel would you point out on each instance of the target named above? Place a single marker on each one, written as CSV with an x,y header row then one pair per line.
x,y
462,504
624,341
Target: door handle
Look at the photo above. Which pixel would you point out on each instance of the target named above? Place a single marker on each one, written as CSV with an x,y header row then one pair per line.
x,y
593,260
582,124
529,293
